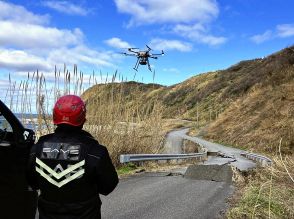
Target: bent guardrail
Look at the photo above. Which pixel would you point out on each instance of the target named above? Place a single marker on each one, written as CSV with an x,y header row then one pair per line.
x,y
264,161
124,158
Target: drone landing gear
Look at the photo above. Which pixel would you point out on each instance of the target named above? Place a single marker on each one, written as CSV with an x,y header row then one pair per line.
x,y
149,67
136,65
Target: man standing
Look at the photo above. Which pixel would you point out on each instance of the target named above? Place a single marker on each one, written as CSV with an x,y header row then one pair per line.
x,y
69,167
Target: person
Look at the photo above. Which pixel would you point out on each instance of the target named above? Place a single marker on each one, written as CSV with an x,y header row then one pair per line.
x,y
69,167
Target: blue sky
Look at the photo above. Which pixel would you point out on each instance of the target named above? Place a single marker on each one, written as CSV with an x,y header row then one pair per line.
x,y
197,35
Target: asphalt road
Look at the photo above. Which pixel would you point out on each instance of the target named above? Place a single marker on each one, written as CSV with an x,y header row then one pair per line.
x,y
156,195
168,195
230,155
173,141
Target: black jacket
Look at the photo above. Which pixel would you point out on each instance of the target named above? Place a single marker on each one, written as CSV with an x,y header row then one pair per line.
x,y
71,169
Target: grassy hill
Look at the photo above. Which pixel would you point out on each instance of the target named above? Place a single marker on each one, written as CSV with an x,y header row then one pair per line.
x,y
261,110
250,104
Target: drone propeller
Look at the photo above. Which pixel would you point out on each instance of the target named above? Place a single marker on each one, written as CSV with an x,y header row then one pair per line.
x,y
132,48
148,47
127,54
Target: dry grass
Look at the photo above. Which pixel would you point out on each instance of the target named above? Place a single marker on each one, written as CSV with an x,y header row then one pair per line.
x,y
259,119
124,128
265,193
172,124
120,127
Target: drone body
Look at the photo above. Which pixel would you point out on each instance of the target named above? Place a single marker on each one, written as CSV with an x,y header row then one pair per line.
x,y
142,56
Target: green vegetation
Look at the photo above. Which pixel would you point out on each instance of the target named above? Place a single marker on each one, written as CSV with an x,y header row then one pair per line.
x,y
127,169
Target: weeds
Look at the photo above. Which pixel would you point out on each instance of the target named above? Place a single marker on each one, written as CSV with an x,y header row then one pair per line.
x,y
124,128
121,127
126,169
267,193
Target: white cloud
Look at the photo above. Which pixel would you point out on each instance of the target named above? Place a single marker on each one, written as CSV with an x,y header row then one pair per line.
x,y
66,7
12,12
212,40
163,44
281,31
80,54
25,35
28,45
172,11
260,38
188,29
285,30
117,43
188,18
198,33
21,61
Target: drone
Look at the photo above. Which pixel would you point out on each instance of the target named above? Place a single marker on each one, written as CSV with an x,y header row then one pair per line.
x,y
142,56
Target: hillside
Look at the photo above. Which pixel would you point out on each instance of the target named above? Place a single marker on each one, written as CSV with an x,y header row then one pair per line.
x,y
263,112
250,104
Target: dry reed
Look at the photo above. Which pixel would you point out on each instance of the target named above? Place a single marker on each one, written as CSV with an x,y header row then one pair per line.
x,y
123,129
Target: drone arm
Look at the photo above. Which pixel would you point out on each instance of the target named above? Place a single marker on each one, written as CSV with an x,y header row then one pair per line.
x,y
160,54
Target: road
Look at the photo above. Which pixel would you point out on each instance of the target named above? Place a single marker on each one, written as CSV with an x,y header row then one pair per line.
x,y
229,155
169,194
157,195
173,141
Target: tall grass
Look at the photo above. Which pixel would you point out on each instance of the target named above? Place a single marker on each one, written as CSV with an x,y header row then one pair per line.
x,y
121,128
267,193
124,128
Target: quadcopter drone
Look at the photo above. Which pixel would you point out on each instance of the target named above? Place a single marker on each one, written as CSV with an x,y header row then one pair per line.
x,y
142,56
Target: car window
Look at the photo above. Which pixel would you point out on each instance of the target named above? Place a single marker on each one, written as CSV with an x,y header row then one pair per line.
x,y
4,124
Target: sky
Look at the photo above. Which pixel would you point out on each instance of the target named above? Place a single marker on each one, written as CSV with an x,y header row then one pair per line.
x,y
197,36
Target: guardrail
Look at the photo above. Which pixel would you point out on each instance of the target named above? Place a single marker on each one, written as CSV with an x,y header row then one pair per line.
x,y
124,158
264,161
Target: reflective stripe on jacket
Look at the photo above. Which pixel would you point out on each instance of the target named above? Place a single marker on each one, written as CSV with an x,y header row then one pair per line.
x,y
71,169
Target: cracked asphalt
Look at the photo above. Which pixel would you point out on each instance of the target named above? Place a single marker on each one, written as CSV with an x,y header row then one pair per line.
x,y
228,155
168,195
161,196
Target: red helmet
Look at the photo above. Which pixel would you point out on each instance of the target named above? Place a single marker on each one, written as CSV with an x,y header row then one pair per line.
x,y
69,109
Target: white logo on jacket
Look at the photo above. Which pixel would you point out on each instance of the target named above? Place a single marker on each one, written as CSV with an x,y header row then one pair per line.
x,y
54,176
